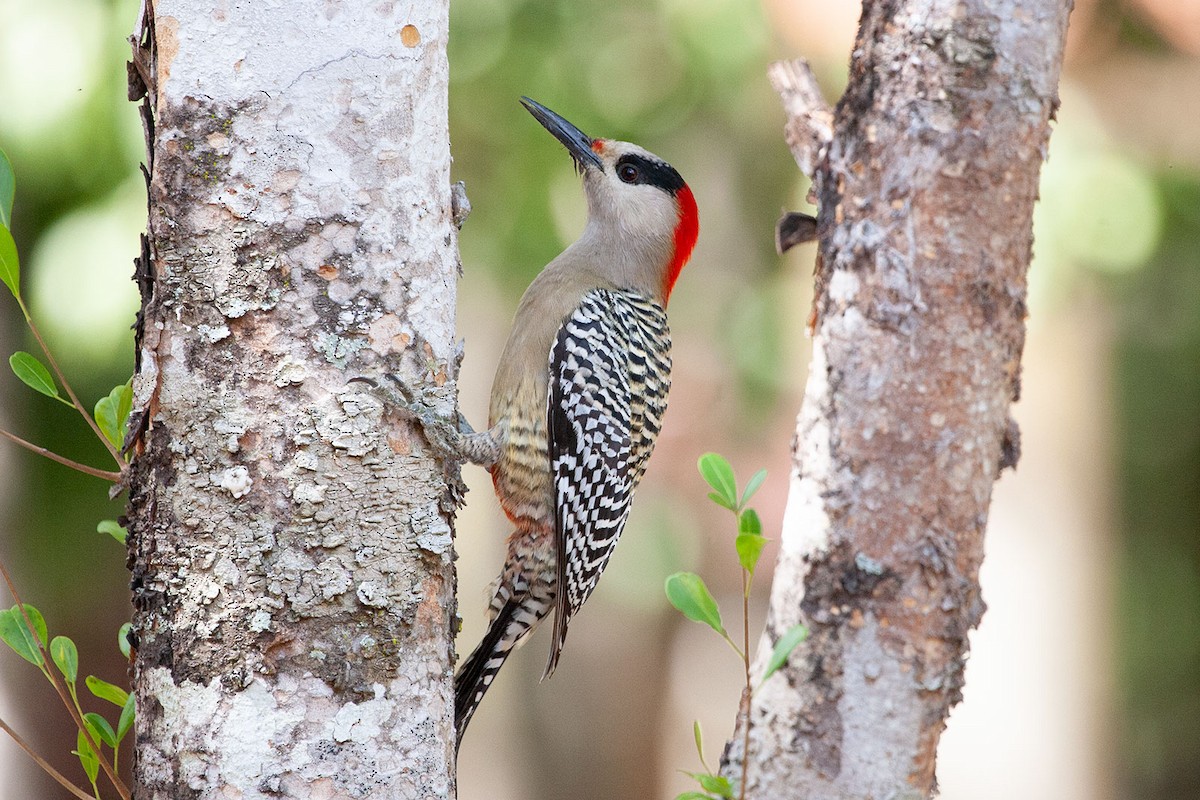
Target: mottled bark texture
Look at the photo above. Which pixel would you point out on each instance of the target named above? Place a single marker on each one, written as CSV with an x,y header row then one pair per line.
x,y
926,182
290,542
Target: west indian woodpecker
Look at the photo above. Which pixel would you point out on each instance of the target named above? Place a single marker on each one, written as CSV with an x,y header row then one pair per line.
x,y
579,396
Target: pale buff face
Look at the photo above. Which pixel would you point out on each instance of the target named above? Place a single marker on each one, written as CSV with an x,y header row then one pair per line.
x,y
640,210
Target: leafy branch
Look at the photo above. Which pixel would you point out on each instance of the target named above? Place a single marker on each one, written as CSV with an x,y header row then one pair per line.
x,y
688,593
58,777
24,630
110,417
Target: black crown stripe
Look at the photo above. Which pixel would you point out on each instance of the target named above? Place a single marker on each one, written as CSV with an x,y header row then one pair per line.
x,y
654,172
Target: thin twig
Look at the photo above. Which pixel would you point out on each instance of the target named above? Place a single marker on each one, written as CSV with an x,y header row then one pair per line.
x,y
70,392
746,693
113,477
117,783
41,762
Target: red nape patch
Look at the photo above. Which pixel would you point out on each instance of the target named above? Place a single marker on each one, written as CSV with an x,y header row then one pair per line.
x,y
686,232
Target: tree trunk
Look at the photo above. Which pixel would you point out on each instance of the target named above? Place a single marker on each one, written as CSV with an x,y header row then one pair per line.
x,y
290,542
926,174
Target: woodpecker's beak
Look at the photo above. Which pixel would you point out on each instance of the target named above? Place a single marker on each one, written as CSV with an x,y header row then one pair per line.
x,y
578,143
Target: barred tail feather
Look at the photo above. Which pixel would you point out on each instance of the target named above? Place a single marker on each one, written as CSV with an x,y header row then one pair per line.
x,y
514,621
476,674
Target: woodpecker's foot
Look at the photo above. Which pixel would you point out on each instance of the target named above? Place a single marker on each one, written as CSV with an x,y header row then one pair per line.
x,y
478,447
454,441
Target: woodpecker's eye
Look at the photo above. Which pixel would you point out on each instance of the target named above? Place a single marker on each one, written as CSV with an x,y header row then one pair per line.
x,y
629,173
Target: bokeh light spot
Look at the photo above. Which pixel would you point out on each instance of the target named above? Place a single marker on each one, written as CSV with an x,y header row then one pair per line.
x,y
41,85
79,283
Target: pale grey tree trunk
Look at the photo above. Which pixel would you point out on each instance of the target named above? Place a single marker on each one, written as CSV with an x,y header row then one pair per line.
x,y
290,541
926,174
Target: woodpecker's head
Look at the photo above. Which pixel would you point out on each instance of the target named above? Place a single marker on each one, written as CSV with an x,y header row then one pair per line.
x,y
636,201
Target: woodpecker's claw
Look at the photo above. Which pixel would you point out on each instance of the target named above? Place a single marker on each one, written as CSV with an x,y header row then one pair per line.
x,y
440,433
453,441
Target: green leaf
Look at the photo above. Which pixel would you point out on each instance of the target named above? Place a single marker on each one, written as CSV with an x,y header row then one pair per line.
x,y
128,713
719,475
8,190
66,657
124,405
10,267
750,541
692,796
753,485
687,592
112,413
749,523
123,640
783,648
716,784
100,729
87,757
699,740
113,529
721,501
106,691
105,415
33,373
749,549
16,634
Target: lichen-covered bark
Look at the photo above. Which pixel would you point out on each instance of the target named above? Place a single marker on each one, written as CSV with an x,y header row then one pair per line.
x,y
926,192
290,542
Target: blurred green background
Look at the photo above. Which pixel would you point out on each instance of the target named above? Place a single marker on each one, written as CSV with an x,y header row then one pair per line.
x,y
1084,680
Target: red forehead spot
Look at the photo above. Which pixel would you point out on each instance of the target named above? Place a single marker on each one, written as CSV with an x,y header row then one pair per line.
x,y
598,145
687,230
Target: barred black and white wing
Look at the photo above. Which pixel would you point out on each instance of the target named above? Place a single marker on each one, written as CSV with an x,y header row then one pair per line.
x,y
609,376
